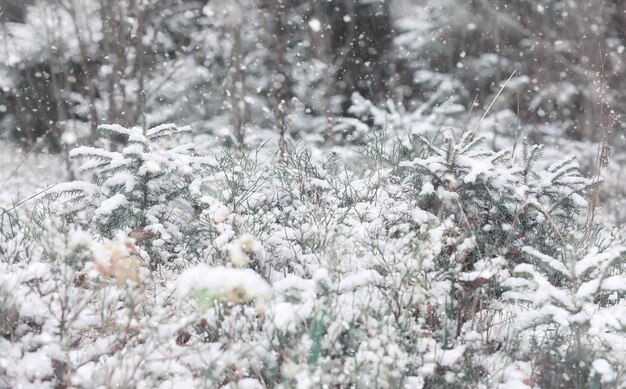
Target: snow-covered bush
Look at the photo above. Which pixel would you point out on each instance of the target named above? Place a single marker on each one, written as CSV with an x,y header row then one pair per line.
x,y
145,189
414,262
574,309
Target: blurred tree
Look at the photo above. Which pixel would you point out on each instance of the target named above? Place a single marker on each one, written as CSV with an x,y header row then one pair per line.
x,y
233,66
13,10
568,54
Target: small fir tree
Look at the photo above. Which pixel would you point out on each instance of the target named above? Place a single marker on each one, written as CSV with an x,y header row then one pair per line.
x,y
143,190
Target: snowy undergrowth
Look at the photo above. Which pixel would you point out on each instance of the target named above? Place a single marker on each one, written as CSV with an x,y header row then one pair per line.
x,y
23,174
421,262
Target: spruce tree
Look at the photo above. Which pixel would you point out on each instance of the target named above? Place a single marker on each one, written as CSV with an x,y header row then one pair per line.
x,y
142,190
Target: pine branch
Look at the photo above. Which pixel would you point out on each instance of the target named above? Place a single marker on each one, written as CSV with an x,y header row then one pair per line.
x,y
166,131
114,129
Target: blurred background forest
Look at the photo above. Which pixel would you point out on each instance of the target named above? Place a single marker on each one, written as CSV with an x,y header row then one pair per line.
x,y
323,72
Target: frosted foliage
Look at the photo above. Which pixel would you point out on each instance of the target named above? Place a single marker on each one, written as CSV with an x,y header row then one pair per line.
x,y
402,265
360,194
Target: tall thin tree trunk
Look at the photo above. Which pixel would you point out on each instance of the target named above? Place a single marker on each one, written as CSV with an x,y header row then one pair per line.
x,y
237,89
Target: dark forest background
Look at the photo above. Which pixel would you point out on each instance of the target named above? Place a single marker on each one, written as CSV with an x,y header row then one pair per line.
x,y
305,67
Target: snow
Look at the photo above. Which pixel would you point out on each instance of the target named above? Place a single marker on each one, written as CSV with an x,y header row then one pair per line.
x,y
36,366
124,179
403,231
116,128
66,187
359,262
111,204
87,151
245,383
315,25
604,369
221,280
166,128
446,357
553,263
